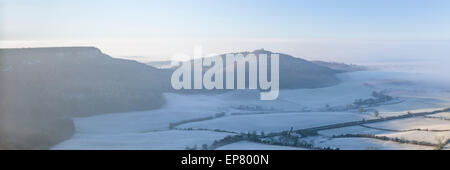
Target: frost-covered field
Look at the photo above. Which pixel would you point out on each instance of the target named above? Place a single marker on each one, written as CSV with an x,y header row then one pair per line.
x,y
445,115
368,144
297,109
245,145
414,123
165,140
275,122
427,136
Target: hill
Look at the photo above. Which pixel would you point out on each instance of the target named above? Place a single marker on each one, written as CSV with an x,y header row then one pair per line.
x,y
42,88
294,72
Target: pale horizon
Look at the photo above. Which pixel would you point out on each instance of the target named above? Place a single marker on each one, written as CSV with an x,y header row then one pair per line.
x,y
346,31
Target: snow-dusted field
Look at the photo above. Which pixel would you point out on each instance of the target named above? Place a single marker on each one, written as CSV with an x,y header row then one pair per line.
x,y
426,136
275,122
244,145
163,140
402,129
351,130
431,137
178,108
368,144
445,115
150,129
414,123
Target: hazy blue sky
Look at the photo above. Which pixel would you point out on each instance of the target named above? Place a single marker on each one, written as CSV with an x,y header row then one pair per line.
x,y
310,28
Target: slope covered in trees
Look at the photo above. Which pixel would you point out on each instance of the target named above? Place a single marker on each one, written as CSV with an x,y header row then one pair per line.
x,y
42,88
294,72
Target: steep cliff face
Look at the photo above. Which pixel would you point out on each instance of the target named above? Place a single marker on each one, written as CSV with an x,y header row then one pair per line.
x,y
42,88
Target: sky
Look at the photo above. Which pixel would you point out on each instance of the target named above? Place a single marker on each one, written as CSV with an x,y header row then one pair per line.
x,y
341,30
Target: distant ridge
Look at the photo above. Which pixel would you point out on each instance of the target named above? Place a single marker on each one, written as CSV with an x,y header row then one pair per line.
x,y
340,66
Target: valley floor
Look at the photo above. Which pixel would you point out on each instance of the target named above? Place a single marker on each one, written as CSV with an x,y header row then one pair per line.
x,y
239,121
